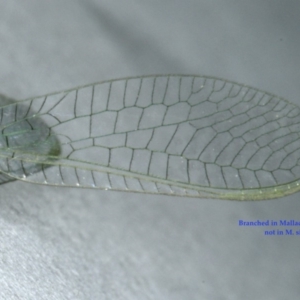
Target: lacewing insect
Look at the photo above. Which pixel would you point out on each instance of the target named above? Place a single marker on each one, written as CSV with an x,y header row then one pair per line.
x,y
180,135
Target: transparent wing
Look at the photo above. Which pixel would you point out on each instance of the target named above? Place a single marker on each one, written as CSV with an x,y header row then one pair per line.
x,y
178,135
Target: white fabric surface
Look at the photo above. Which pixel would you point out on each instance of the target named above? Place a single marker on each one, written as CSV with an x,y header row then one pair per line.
x,y
67,243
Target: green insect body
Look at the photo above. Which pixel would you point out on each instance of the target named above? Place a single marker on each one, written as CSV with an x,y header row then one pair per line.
x,y
180,135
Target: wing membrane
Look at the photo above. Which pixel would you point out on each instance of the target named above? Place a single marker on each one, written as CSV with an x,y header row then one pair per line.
x,y
179,135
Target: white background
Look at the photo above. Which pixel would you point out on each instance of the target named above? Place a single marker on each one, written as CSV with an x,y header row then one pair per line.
x,y
68,243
